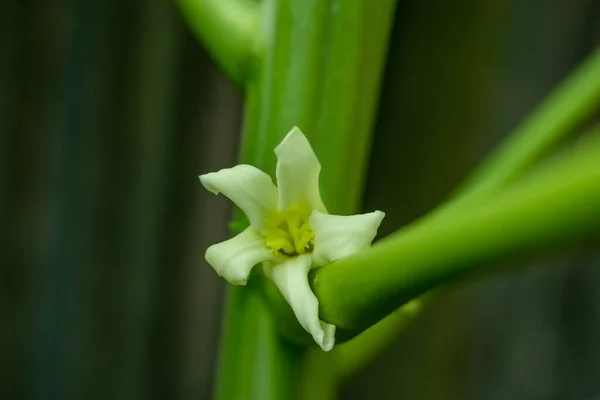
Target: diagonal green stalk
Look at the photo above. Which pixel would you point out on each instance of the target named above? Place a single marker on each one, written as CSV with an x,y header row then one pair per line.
x,y
356,354
553,206
567,107
571,104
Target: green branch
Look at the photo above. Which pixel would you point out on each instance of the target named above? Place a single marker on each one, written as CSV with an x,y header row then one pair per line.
x,y
356,354
572,103
552,121
229,29
552,206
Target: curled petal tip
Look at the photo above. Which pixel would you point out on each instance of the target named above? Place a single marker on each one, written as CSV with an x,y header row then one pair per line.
x,y
233,275
205,181
248,187
233,259
328,336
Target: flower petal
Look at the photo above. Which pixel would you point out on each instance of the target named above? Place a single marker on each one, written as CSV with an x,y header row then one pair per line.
x,y
234,258
338,236
291,277
298,173
249,188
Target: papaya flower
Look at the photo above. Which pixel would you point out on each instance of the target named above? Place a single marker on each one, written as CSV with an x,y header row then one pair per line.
x,y
290,229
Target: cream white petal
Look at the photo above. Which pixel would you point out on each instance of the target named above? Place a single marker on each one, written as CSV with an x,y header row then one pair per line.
x,y
234,258
291,277
338,236
298,172
249,188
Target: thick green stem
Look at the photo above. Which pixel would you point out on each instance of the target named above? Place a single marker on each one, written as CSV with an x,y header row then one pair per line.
x,y
230,31
554,119
568,106
255,363
550,207
319,68
321,71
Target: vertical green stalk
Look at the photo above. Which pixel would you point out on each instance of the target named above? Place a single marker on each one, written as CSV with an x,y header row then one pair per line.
x,y
319,68
255,363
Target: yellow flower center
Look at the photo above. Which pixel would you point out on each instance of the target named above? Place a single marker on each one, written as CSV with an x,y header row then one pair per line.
x,y
291,237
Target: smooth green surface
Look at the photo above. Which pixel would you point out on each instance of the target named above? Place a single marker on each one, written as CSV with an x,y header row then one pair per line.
x,y
550,207
230,31
254,361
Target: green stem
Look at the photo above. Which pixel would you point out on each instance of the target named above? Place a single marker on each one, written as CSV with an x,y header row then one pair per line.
x,y
319,68
255,363
355,354
553,206
572,103
230,31
320,71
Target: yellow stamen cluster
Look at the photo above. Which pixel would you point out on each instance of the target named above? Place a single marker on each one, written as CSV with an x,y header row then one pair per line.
x,y
291,237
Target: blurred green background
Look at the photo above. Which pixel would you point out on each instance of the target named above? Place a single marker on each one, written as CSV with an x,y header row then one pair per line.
x,y
110,109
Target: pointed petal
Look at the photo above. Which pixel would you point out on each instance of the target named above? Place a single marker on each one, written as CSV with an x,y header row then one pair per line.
x,y
234,258
249,188
338,236
291,277
298,173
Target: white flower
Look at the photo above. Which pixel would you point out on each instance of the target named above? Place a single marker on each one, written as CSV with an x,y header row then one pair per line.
x,y
290,230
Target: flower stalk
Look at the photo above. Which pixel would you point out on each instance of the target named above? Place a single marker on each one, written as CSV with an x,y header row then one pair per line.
x,y
555,205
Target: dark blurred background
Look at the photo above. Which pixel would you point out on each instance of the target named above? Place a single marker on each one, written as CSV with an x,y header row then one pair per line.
x,y
110,109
